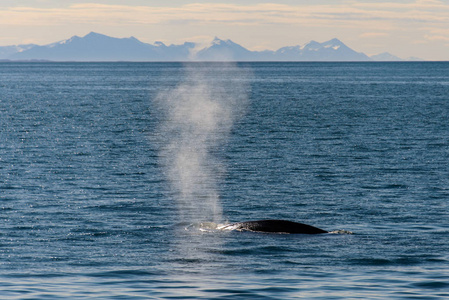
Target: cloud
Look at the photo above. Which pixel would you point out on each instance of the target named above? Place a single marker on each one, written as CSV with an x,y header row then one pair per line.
x,y
373,34
424,19
437,38
338,14
229,13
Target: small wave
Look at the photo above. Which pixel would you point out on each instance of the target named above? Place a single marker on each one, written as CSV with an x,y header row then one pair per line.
x,y
125,273
431,285
341,232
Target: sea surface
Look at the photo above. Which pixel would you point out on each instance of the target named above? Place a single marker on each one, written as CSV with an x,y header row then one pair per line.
x,y
114,176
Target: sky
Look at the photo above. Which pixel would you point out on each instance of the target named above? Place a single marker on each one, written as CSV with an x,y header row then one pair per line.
x,y
405,28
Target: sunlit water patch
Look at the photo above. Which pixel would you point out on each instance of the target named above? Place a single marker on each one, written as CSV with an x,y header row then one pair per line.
x,y
92,207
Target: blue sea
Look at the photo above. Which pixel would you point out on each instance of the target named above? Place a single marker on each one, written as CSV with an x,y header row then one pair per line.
x,y
115,176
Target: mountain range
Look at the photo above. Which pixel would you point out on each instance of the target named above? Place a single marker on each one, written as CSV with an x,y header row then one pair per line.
x,y
99,47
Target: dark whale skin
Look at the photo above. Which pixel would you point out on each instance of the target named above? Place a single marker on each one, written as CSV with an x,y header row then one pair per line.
x,y
274,226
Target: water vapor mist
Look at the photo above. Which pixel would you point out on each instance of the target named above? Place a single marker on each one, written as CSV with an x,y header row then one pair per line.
x,y
199,114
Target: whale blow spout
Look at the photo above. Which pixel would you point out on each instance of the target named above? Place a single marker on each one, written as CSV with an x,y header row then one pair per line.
x,y
273,226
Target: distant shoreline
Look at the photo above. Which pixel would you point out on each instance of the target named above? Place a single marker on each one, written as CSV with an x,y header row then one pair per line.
x,y
212,62
95,47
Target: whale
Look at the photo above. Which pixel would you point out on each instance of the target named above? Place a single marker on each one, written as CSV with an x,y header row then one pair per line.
x,y
273,226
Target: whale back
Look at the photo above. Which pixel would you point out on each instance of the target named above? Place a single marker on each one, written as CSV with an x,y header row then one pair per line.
x,y
274,226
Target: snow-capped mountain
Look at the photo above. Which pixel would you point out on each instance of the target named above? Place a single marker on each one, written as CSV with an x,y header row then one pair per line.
x,y
224,50
7,51
333,50
99,47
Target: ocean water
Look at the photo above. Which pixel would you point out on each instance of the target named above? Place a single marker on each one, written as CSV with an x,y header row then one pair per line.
x,y
110,171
